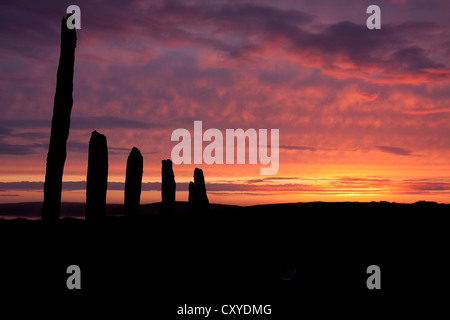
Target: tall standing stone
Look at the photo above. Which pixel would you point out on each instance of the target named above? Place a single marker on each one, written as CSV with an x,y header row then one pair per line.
x,y
62,108
97,177
198,200
168,187
133,183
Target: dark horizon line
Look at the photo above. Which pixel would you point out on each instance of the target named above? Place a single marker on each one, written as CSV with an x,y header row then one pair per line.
x,y
252,205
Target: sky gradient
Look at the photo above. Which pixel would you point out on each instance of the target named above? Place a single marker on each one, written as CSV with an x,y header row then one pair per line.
x,y
363,114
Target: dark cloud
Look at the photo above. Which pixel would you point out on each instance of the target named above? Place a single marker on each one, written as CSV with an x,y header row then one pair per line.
x,y
156,186
77,146
239,30
28,149
271,179
84,148
21,185
395,150
414,59
340,40
107,122
26,23
17,149
31,135
41,144
7,134
254,28
25,124
5,131
430,186
225,16
14,149
357,180
350,50
338,185
297,148
83,123
447,48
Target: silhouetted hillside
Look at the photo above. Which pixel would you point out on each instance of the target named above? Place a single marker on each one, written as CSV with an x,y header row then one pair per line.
x,y
32,210
238,255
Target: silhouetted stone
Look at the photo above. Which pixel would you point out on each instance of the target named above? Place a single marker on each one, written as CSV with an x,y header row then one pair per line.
x,y
62,107
97,177
133,183
191,198
168,187
198,200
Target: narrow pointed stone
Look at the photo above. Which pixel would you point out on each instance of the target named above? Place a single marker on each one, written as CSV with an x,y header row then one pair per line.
x,y
168,187
97,177
133,183
62,108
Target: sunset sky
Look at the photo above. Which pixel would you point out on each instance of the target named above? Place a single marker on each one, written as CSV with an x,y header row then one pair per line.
x,y
363,114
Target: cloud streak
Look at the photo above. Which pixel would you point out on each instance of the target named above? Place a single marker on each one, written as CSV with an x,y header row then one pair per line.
x,y
395,150
286,185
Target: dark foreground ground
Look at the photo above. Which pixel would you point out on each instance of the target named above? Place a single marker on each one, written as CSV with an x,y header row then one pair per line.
x,y
235,256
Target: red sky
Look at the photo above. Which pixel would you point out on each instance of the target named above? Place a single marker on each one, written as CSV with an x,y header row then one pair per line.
x,y
363,114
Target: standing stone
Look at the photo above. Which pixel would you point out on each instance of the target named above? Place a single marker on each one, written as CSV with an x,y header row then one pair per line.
x,y
97,177
62,108
191,198
133,183
168,187
198,200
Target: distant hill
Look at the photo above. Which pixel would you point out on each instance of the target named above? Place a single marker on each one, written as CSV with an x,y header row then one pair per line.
x,y
32,210
234,254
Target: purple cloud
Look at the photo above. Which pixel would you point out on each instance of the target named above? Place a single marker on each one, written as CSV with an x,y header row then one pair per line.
x,y
395,150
